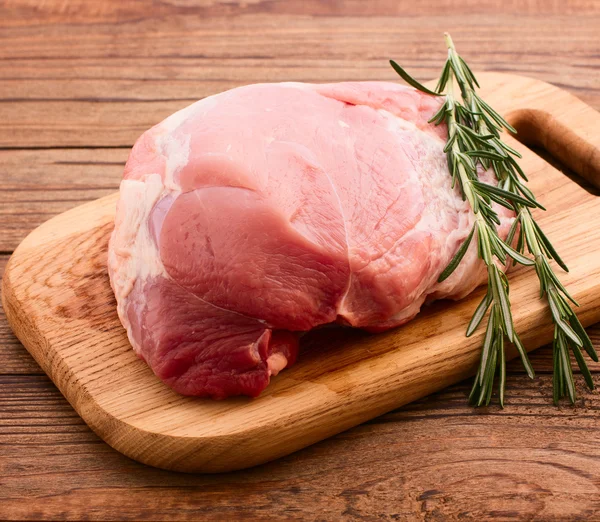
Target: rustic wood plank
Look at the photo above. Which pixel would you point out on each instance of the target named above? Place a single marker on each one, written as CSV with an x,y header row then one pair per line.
x,y
520,463
81,11
38,184
436,459
61,72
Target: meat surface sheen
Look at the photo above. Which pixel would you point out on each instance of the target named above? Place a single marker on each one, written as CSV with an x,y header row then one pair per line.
x,y
271,209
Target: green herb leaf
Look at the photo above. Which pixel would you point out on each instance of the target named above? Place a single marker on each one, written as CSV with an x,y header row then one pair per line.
x,y
411,81
524,357
519,258
457,257
510,196
549,246
479,313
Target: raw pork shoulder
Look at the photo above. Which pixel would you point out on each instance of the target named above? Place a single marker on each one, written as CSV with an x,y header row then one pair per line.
x,y
271,209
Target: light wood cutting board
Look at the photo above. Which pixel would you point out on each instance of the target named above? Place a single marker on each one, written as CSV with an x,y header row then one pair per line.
x,y
57,298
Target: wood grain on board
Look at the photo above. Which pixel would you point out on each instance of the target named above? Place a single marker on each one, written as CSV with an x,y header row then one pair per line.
x,y
62,66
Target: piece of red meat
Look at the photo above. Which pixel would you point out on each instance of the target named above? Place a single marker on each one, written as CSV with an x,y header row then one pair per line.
x,y
271,209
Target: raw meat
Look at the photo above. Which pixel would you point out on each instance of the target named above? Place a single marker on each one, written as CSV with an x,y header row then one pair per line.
x,y
271,209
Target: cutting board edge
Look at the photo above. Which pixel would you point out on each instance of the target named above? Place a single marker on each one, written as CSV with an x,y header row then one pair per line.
x,y
103,422
86,405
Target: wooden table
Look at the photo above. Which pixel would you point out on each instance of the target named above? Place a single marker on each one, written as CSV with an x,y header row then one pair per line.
x,y
80,80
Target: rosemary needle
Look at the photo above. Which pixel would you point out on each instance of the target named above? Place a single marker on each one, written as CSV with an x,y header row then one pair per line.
x,y
474,146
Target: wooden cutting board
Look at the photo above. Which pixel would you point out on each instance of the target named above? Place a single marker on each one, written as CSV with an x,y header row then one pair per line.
x,y
57,298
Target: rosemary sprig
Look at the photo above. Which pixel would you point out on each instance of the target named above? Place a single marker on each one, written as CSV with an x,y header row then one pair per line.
x,y
474,146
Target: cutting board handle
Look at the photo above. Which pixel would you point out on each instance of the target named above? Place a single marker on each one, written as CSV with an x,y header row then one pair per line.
x,y
549,117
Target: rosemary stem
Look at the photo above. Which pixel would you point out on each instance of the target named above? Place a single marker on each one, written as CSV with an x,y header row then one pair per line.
x,y
452,125
474,145
449,42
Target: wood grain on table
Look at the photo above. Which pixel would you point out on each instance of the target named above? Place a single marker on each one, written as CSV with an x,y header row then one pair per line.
x,y
79,81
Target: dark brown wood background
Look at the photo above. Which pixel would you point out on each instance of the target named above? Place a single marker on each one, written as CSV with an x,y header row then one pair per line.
x,y
80,80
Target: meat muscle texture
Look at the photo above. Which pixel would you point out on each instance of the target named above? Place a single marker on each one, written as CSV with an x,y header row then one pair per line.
x,y
271,209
